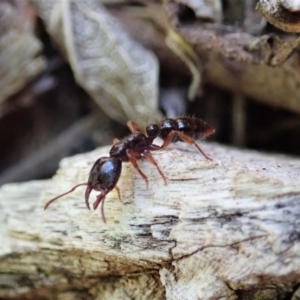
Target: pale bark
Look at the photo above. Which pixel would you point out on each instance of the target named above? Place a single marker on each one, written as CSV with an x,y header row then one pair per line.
x,y
283,14
225,229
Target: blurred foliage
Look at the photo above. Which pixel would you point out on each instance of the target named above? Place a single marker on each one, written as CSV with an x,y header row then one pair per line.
x,y
55,77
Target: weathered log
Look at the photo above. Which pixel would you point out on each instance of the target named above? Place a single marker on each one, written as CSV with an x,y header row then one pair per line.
x,y
226,229
283,14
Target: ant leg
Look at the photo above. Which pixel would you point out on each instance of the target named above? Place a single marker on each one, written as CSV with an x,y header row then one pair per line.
x,y
190,140
154,147
131,154
99,198
151,159
118,191
168,139
133,126
186,139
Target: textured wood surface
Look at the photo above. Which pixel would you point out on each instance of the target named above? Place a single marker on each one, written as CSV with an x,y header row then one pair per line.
x,y
218,230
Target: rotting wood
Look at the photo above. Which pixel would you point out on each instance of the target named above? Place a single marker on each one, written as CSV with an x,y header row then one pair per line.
x,y
283,14
218,230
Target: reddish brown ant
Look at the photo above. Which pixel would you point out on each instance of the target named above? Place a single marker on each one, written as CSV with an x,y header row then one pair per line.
x,y
106,171
185,129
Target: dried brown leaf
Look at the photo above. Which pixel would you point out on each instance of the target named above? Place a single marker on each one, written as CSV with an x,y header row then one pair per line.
x,y
116,71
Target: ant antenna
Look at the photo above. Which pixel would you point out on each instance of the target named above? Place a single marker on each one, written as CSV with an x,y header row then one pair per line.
x,y
70,191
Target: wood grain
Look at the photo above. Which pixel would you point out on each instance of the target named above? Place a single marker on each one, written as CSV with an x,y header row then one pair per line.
x,y
218,230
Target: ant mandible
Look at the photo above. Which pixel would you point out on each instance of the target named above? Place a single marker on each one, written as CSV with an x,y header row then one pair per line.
x,y
106,171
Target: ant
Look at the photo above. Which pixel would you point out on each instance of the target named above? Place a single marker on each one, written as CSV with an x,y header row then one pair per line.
x,y
106,171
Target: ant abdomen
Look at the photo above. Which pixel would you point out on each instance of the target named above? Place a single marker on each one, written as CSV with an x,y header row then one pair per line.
x,y
185,129
192,127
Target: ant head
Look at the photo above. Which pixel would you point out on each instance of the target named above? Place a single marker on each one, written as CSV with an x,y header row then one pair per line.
x,y
103,177
152,131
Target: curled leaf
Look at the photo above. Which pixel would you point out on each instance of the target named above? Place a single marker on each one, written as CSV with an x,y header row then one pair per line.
x,y
20,58
119,74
